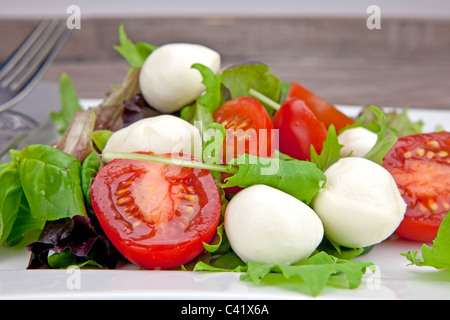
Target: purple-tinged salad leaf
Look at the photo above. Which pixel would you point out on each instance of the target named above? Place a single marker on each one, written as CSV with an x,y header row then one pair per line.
x,y
136,109
77,140
72,241
109,113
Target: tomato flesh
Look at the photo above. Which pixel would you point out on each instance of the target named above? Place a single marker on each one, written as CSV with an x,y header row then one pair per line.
x,y
299,128
249,130
323,110
420,165
248,126
156,215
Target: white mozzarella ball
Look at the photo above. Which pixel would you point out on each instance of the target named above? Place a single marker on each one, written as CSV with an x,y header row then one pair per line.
x,y
357,141
161,134
266,225
167,80
360,204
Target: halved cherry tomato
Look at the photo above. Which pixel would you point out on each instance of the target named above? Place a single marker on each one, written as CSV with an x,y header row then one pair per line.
x,y
249,128
298,129
156,215
324,111
420,165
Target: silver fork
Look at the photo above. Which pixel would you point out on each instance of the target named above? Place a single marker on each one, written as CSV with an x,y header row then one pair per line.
x,y
26,66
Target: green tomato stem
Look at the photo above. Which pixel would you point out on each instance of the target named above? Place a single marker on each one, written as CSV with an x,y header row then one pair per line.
x,y
263,98
109,156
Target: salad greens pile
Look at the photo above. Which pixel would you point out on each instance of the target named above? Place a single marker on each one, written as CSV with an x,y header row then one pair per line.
x,y
47,189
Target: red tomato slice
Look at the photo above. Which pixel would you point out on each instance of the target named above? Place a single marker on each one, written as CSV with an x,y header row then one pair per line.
x,y
420,165
299,128
249,128
324,111
156,215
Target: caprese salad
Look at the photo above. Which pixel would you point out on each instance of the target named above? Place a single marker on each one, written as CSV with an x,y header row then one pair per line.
x,y
188,165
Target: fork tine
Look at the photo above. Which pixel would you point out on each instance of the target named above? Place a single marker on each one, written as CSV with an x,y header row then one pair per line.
x,y
43,57
23,49
28,64
31,56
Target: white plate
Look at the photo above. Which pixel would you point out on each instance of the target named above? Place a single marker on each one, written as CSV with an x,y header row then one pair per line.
x,y
393,279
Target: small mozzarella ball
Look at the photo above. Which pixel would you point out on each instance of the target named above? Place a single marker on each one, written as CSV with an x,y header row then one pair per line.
x,y
161,134
266,225
167,80
360,204
358,141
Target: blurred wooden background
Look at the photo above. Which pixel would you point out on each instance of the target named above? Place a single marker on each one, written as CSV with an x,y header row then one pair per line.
x,y
404,64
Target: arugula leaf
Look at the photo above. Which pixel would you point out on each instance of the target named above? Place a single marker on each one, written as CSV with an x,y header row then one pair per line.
x,y
240,79
330,153
300,179
437,256
201,112
384,142
69,104
314,271
399,124
134,54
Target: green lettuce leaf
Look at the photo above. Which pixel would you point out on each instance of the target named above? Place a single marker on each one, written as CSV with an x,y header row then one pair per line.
x,y
201,112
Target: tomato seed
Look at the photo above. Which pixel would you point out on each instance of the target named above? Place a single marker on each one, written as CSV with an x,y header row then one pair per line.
x,y
443,154
420,152
123,200
433,205
445,204
191,197
433,143
121,192
430,154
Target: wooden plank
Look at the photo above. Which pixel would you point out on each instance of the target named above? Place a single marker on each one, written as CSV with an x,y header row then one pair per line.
x,y
406,63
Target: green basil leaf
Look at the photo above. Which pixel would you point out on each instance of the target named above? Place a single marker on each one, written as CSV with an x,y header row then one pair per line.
x,y
11,194
51,182
89,170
